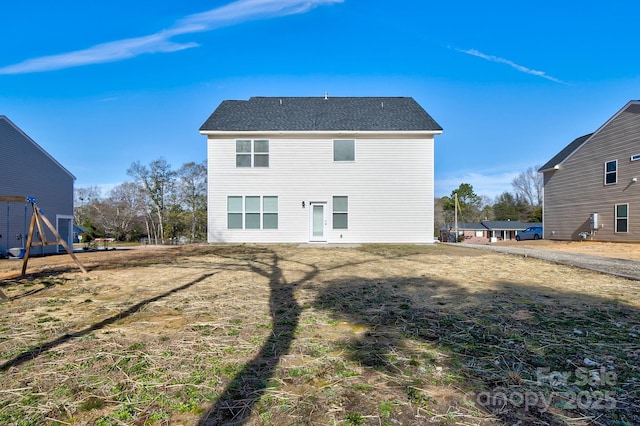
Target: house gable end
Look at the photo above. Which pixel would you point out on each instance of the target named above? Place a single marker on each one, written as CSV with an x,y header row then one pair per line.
x,y
26,137
578,143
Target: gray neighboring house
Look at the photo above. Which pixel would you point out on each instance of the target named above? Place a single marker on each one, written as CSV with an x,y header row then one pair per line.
x,y
591,188
320,170
28,170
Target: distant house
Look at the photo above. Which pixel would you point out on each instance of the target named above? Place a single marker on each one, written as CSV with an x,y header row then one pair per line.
x,y
591,188
485,231
320,169
27,170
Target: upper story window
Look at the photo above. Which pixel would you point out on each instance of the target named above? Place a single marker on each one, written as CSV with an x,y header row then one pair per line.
x,y
252,153
635,157
344,150
611,172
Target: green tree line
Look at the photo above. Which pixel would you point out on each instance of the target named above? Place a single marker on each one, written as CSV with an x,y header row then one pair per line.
x,y
160,204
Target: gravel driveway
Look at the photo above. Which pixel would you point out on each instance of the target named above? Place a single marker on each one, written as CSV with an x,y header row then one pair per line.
x,y
619,267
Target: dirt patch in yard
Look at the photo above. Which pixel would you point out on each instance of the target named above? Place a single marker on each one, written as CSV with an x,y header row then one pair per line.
x,y
279,334
629,251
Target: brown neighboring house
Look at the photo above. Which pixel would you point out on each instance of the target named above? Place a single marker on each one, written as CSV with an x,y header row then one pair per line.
x,y
484,232
591,188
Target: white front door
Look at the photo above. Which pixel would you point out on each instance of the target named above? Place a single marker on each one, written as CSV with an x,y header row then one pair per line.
x,y
318,222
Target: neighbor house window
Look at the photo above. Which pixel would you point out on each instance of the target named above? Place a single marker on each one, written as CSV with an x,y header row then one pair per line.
x,y
252,212
344,150
340,212
611,172
252,153
622,217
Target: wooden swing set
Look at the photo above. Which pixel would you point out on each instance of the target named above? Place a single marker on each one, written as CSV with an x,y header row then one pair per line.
x,y
37,221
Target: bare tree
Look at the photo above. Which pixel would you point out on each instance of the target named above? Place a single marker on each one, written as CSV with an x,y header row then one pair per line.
x,y
127,203
528,185
157,180
83,199
192,189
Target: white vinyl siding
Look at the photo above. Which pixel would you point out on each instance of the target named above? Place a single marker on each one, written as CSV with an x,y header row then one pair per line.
x,y
390,188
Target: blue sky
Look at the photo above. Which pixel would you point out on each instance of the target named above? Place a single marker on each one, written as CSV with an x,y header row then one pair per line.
x,y
100,85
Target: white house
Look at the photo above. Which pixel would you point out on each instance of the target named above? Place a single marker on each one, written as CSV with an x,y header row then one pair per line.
x,y
320,169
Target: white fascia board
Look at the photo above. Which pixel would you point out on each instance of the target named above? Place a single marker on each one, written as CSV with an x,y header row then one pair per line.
x,y
323,133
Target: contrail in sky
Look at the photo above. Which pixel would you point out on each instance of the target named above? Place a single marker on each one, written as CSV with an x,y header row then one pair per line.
x,y
474,52
160,42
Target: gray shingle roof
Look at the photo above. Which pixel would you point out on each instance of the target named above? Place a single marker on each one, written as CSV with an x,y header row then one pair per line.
x,y
492,225
566,152
508,225
321,114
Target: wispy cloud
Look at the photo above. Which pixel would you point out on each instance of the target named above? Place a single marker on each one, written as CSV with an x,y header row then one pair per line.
x,y
521,68
160,42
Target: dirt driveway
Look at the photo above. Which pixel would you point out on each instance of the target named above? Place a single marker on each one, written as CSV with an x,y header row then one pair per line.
x,y
286,335
628,251
617,259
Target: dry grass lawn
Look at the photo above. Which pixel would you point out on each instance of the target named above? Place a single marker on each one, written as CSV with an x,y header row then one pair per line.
x,y
284,335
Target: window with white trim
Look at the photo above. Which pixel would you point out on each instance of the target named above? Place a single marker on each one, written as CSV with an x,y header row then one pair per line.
x,y
234,212
340,212
252,212
269,212
252,153
622,217
611,172
344,150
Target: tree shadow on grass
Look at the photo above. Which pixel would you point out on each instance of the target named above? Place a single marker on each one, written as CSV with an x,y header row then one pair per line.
x,y
44,348
236,402
502,344
498,343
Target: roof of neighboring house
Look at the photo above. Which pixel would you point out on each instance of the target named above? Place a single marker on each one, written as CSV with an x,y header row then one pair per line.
x,y
565,153
507,225
79,229
15,128
491,225
321,114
